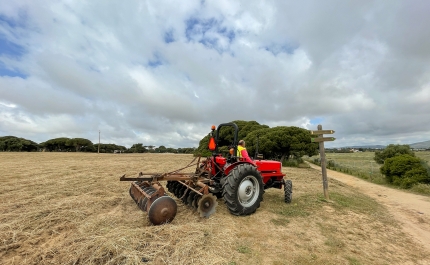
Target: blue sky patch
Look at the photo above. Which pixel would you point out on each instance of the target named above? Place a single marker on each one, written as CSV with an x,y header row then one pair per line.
x,y
316,120
94,69
198,27
156,61
287,48
168,36
13,23
4,71
209,42
208,32
227,33
10,49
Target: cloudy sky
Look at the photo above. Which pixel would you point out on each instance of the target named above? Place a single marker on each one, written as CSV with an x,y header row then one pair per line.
x,y
162,72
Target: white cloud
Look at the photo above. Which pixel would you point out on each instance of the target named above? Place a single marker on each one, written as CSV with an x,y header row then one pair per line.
x,y
9,105
162,73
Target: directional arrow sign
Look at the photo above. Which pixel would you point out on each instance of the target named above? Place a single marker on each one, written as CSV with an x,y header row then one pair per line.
x,y
321,132
322,139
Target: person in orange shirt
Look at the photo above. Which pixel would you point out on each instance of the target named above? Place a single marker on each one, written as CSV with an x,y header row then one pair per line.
x,y
242,154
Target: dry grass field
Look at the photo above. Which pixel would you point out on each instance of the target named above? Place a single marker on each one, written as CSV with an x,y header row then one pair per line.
x,y
425,155
71,208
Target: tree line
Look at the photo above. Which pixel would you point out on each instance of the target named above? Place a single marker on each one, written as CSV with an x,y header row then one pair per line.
x,y
280,143
64,144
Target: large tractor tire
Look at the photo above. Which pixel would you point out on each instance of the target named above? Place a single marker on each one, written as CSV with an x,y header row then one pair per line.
x,y
288,191
243,190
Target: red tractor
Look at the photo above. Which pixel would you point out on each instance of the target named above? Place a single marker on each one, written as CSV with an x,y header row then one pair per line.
x,y
241,184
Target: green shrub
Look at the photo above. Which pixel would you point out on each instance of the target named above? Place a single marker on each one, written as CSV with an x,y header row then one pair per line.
x,y
392,150
331,164
292,162
405,171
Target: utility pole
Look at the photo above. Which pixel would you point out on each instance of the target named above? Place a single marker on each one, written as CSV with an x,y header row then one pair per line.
x,y
98,150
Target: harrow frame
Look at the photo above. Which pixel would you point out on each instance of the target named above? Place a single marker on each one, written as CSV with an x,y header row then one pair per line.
x,y
150,196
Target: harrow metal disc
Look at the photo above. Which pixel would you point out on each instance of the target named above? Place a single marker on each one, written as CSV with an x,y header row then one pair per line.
x,y
162,210
190,198
181,191
185,196
176,190
173,186
195,203
206,205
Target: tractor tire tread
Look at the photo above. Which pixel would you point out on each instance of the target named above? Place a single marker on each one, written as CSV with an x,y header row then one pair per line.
x,y
288,191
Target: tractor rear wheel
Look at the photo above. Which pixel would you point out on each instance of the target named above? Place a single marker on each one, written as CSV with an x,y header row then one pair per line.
x,y
243,190
288,190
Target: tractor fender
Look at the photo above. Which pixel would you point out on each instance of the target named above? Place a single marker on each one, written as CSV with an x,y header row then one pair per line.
x,y
231,166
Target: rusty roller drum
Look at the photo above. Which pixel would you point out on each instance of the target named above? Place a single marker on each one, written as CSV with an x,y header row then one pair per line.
x,y
149,198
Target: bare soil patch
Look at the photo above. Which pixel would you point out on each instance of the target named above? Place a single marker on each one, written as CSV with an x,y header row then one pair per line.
x,y
71,208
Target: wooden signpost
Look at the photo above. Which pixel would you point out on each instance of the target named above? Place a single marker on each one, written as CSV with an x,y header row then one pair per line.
x,y
320,139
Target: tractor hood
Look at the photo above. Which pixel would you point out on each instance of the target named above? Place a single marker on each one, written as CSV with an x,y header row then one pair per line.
x,y
268,166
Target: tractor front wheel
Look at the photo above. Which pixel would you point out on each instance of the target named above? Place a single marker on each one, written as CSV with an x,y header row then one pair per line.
x,y
243,190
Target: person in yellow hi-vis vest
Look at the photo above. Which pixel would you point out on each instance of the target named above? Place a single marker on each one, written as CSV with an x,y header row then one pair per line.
x,y
242,154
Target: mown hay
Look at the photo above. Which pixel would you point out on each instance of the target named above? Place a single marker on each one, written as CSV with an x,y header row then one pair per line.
x,y
71,208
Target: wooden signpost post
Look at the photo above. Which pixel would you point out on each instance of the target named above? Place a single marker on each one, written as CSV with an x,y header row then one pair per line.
x,y
320,139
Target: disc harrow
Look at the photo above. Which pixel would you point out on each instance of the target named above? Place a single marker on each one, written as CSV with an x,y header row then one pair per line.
x,y
204,202
190,189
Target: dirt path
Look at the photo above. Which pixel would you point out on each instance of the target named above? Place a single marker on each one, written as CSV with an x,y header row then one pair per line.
x,y
412,210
